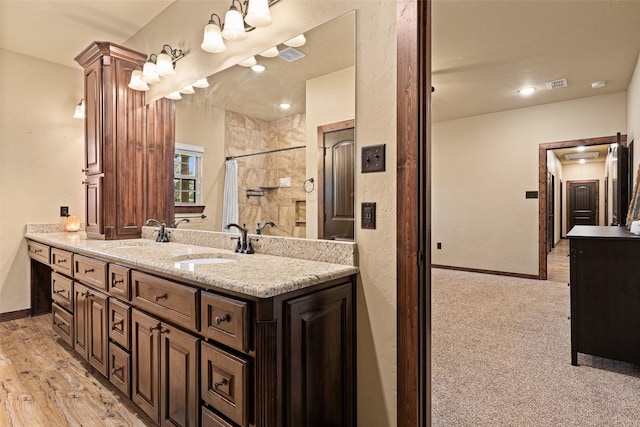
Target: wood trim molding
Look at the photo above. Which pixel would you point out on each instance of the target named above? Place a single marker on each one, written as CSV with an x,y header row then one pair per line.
x,y
413,213
542,188
14,315
479,270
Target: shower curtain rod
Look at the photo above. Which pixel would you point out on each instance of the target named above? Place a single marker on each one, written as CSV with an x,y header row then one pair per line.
x,y
265,152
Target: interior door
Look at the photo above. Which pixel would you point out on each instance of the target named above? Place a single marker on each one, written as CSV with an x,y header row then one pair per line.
x,y
338,164
583,203
550,211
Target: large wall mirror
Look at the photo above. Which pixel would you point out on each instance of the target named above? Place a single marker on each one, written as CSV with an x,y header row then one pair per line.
x,y
295,166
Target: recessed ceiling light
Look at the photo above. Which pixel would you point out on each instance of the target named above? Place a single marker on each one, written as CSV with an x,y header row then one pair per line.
x,y
582,161
526,91
258,68
580,148
285,106
598,84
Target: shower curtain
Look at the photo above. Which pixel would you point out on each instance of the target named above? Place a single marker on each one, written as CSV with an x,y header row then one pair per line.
x,y
230,201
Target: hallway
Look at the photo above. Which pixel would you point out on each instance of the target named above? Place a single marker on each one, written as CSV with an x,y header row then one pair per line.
x,y
558,262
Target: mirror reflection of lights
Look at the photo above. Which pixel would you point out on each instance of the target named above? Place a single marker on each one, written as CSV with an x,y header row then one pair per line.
x,y
258,68
582,161
285,105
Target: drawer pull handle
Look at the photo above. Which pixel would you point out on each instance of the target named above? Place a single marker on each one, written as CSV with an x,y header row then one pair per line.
x,y
85,294
220,383
88,270
117,325
59,325
116,370
37,251
159,297
225,318
61,261
116,282
153,328
58,291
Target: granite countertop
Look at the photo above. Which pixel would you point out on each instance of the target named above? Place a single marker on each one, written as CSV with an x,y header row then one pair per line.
x,y
261,276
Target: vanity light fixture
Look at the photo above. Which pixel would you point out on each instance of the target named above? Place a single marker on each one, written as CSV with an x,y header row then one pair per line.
x,y
174,95
202,83
526,91
212,41
79,112
166,59
233,28
296,41
249,62
258,13
188,90
136,82
272,52
258,68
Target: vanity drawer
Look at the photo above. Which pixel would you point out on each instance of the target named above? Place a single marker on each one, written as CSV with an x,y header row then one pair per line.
x,y
224,383
120,323
166,299
38,251
210,419
62,261
62,291
225,320
62,323
91,271
120,369
119,284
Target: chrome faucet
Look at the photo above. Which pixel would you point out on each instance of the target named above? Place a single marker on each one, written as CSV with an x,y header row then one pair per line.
x,y
163,235
180,221
260,228
244,245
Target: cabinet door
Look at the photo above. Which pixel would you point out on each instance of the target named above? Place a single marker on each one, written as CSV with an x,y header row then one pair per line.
x,y
80,316
180,389
93,206
319,359
98,330
145,355
93,118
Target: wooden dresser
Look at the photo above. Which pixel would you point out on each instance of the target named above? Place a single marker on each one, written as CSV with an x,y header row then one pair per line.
x,y
605,293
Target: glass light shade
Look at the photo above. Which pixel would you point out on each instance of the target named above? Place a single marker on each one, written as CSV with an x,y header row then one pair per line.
x,y
296,41
258,68
79,112
149,74
202,83
164,66
249,62
258,13
136,82
233,25
272,52
187,90
212,41
174,95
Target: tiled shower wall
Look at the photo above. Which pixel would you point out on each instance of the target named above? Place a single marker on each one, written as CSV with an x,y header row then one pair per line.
x,y
285,206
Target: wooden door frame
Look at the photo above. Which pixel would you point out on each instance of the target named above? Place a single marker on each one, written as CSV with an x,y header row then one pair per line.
x,y
331,127
413,226
584,181
542,188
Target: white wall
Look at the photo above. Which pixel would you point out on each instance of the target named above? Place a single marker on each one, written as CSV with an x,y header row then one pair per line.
x,y
591,171
482,167
41,160
633,116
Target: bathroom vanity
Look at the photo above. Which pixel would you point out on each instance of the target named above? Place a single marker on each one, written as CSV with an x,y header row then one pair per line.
x,y
197,335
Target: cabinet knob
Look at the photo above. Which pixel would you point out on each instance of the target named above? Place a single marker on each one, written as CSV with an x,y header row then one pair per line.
x,y
58,291
222,319
159,297
59,325
85,294
116,370
220,383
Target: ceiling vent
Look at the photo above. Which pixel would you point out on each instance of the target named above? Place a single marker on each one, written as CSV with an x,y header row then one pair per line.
x,y
291,55
584,155
557,84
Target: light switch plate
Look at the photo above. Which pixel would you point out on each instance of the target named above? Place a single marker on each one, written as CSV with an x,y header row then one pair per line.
x,y
368,215
373,158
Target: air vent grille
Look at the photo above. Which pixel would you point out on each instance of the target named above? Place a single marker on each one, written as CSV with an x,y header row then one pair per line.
x,y
557,84
291,55
584,155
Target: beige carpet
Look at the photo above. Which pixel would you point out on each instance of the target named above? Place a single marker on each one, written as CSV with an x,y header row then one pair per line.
x,y
502,357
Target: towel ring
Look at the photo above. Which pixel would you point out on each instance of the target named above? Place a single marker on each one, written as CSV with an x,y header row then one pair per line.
x,y
313,186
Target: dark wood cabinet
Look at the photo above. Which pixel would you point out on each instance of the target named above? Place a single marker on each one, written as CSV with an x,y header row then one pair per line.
x,y
90,324
605,293
319,359
118,162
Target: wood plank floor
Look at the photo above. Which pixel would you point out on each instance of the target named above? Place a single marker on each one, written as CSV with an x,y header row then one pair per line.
x,y
44,383
558,262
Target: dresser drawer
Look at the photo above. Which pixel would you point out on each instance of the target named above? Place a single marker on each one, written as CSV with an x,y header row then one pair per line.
x,y
62,291
62,323
120,323
166,299
118,282
62,261
225,320
120,369
90,271
224,383
210,419
38,251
